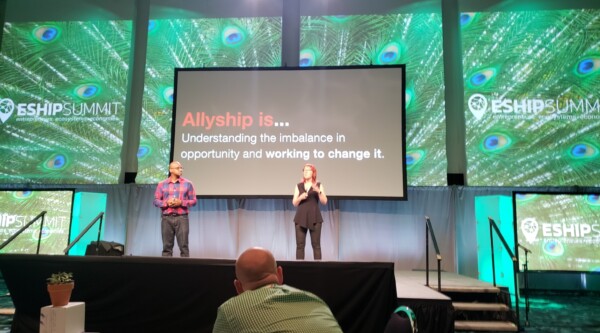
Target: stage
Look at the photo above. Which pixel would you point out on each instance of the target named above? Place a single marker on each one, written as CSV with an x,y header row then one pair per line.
x,y
434,310
154,294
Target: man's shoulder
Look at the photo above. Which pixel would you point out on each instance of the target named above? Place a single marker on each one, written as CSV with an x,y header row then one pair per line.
x,y
290,288
185,180
295,291
283,293
251,298
261,293
267,291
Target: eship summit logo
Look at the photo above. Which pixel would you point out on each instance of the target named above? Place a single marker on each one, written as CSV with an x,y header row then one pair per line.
x,y
534,108
478,104
58,112
7,106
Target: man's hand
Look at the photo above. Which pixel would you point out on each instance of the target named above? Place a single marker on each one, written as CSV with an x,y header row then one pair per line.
x,y
173,202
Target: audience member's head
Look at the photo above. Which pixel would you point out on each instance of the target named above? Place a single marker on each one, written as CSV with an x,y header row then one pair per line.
x,y
255,268
265,304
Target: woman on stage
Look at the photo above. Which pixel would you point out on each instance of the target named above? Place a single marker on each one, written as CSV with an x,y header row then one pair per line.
x,y
307,196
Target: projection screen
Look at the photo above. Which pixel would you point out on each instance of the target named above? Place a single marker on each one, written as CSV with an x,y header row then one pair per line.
x,y
560,229
17,208
249,132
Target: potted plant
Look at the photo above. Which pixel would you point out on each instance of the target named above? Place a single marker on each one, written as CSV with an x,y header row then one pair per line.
x,y
60,286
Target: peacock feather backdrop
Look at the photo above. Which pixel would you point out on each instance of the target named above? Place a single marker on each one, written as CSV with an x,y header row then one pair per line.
x,y
62,101
531,97
194,43
414,39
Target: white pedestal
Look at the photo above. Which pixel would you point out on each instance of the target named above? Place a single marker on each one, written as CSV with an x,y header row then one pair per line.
x,y
63,319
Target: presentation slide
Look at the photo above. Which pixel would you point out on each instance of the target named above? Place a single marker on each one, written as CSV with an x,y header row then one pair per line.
x,y
62,101
250,132
193,43
532,107
414,39
17,208
562,231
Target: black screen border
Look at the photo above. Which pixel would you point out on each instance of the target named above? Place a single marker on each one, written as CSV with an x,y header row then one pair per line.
x,y
545,192
54,189
311,68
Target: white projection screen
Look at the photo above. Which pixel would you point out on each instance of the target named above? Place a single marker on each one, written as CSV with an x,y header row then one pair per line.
x,y
249,132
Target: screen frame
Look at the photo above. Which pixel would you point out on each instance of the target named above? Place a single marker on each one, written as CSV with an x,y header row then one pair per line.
x,y
42,189
402,67
518,245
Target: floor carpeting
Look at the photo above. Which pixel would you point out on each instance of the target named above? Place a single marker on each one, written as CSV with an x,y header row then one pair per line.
x,y
564,312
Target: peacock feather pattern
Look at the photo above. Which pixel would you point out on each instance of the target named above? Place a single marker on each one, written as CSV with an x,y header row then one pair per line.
x,y
414,39
558,229
62,101
194,43
20,207
532,111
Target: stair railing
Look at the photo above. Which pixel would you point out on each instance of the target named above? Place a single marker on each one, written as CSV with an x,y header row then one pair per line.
x,y
429,231
494,227
20,231
98,217
526,282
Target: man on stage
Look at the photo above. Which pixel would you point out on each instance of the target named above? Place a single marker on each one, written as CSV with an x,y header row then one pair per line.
x,y
174,196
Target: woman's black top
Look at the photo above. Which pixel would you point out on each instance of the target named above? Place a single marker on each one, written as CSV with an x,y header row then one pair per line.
x,y
308,213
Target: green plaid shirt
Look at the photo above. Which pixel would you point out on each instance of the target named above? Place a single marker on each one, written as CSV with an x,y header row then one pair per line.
x,y
275,308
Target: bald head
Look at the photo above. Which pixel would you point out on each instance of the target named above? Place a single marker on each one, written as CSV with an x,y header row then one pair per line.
x,y
256,267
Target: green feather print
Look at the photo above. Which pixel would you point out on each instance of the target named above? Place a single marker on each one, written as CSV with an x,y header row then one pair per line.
x,y
194,43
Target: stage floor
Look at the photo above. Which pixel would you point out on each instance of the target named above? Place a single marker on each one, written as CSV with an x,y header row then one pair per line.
x,y
433,309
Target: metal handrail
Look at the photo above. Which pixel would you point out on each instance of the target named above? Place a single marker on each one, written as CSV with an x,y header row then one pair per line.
x,y
494,227
20,231
429,231
526,282
66,250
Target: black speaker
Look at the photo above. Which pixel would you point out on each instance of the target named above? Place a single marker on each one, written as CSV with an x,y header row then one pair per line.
x,y
130,177
456,179
105,249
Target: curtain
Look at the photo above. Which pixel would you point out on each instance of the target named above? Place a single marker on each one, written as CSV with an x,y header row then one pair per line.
x,y
353,230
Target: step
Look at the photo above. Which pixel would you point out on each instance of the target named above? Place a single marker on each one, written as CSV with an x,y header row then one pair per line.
x,y
474,306
7,312
477,294
482,326
468,289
